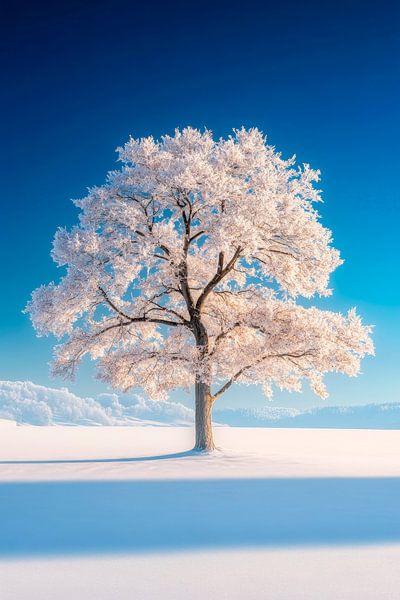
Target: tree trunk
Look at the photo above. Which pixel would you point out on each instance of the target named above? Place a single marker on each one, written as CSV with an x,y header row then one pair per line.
x,y
203,426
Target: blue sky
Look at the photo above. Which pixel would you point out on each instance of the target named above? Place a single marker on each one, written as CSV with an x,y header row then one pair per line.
x,y
322,80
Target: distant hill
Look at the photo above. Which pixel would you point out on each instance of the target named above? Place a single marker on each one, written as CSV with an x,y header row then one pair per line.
x,y
368,416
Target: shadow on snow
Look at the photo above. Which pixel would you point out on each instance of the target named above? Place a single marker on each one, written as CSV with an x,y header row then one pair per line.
x,y
141,516
72,461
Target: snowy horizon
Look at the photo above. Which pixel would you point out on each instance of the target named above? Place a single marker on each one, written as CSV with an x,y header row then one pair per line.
x,y
28,403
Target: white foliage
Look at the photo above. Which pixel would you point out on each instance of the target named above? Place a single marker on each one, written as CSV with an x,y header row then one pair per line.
x,y
187,263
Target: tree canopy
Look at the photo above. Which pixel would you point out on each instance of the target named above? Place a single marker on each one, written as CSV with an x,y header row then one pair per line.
x,y
186,266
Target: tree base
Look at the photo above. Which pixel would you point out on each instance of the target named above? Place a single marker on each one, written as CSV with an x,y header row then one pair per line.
x,y
214,450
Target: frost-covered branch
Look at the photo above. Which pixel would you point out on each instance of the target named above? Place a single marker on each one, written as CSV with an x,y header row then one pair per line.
x,y
238,374
144,318
222,271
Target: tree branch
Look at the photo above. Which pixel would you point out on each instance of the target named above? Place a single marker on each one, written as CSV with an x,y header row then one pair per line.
x,y
219,275
143,319
183,267
196,235
231,381
223,335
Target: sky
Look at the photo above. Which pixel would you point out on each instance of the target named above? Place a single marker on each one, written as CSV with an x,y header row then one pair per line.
x,y
321,79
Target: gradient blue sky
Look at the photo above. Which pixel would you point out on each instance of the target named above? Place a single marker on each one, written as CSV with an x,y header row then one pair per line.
x,y
321,79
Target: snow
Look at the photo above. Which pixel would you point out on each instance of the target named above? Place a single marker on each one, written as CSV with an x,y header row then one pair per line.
x,y
28,403
127,512
346,573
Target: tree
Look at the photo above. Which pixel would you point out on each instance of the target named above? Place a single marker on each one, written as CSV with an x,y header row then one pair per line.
x,y
185,269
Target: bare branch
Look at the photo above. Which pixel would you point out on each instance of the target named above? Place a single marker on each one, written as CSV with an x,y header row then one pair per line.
x,y
195,236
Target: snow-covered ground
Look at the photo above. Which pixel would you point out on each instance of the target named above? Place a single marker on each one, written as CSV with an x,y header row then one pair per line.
x,y
96,513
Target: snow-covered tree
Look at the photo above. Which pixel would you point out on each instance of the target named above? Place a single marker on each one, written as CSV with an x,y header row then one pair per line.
x,y
185,268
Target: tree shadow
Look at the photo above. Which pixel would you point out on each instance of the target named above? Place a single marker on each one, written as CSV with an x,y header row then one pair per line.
x,y
73,461
56,518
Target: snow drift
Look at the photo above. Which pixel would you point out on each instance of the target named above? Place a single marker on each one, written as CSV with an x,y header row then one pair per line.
x,y
26,402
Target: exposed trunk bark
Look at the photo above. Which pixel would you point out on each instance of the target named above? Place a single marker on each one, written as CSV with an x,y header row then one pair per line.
x,y
203,426
203,398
